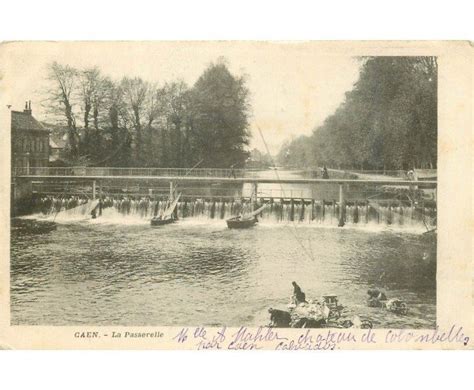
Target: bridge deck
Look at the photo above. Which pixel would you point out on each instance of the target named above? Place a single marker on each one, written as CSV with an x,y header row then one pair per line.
x,y
394,182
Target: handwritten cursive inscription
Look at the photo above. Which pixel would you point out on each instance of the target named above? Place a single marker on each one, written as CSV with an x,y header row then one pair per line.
x,y
313,339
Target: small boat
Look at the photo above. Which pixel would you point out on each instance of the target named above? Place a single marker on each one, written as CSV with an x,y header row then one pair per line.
x,y
241,223
244,221
168,215
160,220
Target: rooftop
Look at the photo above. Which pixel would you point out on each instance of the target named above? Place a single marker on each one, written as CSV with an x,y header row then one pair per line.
x,y
26,122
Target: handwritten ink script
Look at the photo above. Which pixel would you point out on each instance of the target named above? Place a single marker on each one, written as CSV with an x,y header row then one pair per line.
x,y
245,338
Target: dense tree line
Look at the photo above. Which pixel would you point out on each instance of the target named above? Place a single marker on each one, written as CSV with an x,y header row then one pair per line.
x,y
133,122
387,121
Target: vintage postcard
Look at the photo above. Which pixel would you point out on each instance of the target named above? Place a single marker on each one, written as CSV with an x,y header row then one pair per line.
x,y
236,195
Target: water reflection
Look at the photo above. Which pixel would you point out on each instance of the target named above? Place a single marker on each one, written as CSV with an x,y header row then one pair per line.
x,y
200,273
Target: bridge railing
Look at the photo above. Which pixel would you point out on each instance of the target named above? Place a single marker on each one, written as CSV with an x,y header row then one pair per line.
x,y
152,172
210,173
327,191
401,174
393,173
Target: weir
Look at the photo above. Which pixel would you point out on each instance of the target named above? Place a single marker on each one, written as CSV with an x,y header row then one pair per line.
x,y
220,187
316,212
293,199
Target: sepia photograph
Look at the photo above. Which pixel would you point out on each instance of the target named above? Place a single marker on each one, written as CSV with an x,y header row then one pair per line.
x,y
222,184
183,180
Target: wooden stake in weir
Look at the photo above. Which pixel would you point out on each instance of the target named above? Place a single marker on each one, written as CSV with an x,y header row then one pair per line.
x,y
342,206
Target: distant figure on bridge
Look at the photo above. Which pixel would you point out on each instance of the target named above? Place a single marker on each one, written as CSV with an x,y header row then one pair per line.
x,y
325,173
411,176
232,172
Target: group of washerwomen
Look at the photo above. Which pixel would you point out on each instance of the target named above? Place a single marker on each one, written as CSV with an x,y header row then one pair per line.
x,y
315,314
302,313
377,298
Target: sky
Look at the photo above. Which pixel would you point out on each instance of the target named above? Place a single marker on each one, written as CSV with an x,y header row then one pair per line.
x,y
293,86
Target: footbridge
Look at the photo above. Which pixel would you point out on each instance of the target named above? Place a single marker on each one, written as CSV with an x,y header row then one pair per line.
x,y
209,183
221,185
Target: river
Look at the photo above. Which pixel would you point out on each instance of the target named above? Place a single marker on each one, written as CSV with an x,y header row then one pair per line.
x,y
68,269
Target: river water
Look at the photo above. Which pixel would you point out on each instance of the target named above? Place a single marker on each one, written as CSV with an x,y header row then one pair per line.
x,y
68,269
198,272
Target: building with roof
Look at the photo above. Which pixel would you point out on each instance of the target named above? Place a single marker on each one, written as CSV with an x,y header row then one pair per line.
x,y
57,143
29,140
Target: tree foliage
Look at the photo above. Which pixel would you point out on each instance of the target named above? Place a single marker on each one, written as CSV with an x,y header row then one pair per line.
x,y
133,122
387,121
220,117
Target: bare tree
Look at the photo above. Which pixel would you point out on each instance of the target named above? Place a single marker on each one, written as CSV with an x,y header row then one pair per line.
x,y
62,81
94,92
100,100
88,80
177,114
135,93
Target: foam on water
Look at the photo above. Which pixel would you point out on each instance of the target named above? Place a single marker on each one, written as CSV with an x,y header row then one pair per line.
x,y
214,213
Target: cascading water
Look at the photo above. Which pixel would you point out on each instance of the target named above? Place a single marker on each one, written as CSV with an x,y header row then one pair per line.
x,y
65,208
143,209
